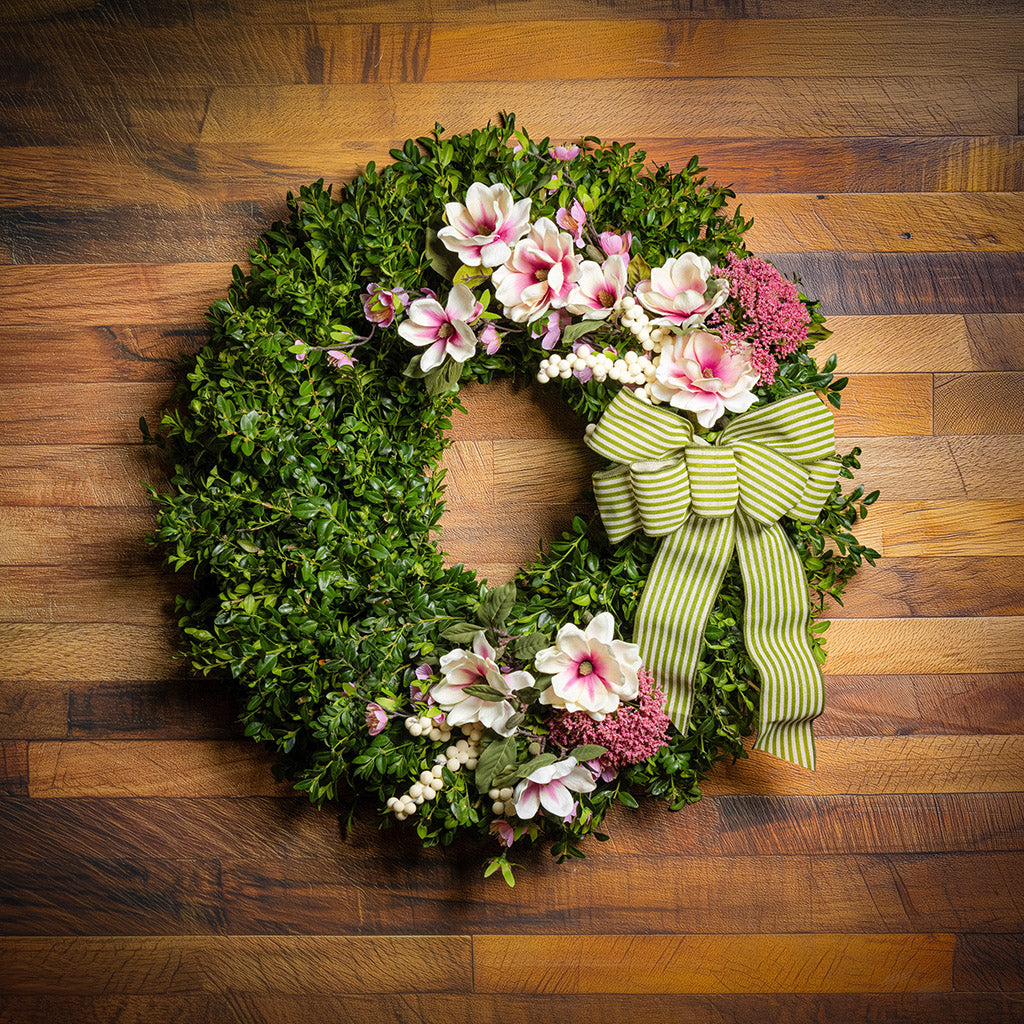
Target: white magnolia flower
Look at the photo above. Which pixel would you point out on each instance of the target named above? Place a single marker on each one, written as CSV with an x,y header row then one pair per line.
x,y
552,788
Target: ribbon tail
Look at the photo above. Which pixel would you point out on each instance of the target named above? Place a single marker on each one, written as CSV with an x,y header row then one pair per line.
x,y
676,602
775,629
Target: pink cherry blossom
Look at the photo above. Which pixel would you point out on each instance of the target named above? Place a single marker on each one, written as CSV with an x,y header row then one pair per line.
x,y
490,339
442,331
339,359
382,305
483,231
699,374
551,787
539,274
680,289
504,831
591,671
600,288
376,718
613,244
472,668
564,152
572,220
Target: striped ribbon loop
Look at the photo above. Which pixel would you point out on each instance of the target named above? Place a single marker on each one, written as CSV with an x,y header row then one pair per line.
x,y
707,501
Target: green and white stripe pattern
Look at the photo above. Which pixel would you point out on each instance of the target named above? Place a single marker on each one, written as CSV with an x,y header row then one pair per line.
x,y
706,500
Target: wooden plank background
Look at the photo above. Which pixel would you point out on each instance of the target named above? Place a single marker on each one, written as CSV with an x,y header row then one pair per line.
x,y
151,868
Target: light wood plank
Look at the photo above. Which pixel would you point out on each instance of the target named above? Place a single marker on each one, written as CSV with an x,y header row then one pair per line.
x,y
886,405
304,115
979,403
739,963
913,222
877,646
881,764
41,536
950,528
231,964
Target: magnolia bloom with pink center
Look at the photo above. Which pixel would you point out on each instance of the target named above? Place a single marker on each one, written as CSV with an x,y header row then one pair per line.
x,y
443,331
461,669
591,671
613,244
682,288
564,152
539,274
339,359
552,788
699,374
600,288
483,231
382,305
490,339
572,220
376,718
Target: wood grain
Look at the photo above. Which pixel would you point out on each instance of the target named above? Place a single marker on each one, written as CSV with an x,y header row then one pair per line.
x,y
952,527
262,964
754,963
979,403
935,105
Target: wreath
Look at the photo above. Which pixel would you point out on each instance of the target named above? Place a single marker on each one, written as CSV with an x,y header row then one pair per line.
x,y
631,653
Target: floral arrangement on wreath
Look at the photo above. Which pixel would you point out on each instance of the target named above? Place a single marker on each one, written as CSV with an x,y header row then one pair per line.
x,y
636,650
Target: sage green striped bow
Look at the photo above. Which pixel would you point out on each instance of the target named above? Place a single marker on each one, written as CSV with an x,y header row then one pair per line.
x,y
705,500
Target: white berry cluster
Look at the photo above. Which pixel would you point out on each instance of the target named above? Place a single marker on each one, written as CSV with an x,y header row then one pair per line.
x,y
429,727
632,368
464,753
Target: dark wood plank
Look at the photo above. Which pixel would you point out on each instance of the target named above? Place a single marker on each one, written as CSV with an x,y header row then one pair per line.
x,y
13,767
232,964
48,895
957,822
963,586
979,403
624,895
904,705
989,963
959,282
516,1008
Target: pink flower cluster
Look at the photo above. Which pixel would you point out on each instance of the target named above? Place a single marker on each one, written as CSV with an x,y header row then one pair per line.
x,y
764,310
632,734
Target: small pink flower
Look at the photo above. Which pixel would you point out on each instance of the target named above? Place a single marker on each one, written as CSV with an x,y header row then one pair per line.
x,y
339,359
539,274
490,339
601,772
382,305
699,374
557,321
564,152
679,290
613,244
572,220
504,831
442,331
552,788
376,718
600,288
483,231
424,671
591,670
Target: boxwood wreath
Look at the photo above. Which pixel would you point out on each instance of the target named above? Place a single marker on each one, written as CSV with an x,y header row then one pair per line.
x,y
307,491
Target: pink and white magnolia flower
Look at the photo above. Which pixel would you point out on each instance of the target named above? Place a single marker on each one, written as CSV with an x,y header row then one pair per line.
x,y
564,152
443,331
599,289
591,670
613,244
539,274
474,668
681,289
699,374
552,788
382,305
572,220
483,231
